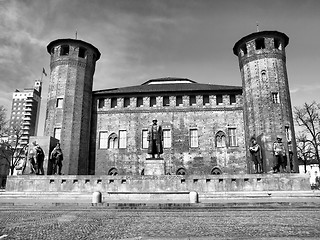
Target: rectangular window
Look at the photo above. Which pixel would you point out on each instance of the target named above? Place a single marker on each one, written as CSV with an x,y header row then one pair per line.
x,y
139,102
101,103
57,133
103,140
232,137
166,102
82,52
153,101
145,143
192,100
122,139
205,99
166,138
126,102
194,138
59,103
232,99
114,102
288,133
219,99
260,43
64,50
275,97
179,100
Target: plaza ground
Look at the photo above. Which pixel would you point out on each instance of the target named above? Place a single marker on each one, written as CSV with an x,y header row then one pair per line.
x,y
99,222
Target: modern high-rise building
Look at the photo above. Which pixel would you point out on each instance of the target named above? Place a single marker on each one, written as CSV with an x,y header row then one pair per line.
x,y
25,113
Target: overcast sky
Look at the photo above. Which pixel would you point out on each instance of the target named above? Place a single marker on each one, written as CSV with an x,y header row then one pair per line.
x,y
145,39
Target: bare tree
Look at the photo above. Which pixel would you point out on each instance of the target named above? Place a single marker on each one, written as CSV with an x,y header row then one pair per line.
x,y
3,120
308,118
12,150
304,150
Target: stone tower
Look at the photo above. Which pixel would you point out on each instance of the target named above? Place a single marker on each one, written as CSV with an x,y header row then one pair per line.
x,y
70,99
267,104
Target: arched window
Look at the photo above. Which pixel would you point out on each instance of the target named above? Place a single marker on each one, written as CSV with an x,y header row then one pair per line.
x,y
113,141
113,172
181,171
263,75
220,139
216,171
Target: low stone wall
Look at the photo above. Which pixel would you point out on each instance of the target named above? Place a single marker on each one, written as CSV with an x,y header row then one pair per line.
x,y
156,184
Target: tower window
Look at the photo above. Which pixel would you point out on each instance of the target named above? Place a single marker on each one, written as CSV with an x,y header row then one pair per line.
x,y
166,102
64,50
260,43
275,97
192,100
57,133
288,133
126,102
139,101
59,103
114,102
82,52
205,99
277,44
219,100
179,100
243,49
263,75
232,99
153,101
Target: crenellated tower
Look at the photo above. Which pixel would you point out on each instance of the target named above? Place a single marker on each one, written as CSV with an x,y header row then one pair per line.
x,y
267,104
69,100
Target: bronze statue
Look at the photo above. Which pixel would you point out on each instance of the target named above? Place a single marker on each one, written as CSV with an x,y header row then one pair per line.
x,y
155,138
56,157
256,155
280,155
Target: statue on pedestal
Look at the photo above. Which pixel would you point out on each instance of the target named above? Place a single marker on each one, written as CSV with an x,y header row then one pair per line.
x,y
256,155
155,138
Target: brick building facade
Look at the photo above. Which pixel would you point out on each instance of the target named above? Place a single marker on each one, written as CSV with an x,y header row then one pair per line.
x,y
206,128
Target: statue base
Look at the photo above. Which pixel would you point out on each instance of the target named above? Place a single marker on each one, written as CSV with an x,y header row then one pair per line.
x,y
154,166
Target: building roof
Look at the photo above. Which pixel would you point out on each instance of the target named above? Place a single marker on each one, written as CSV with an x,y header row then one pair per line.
x,y
169,85
72,41
260,34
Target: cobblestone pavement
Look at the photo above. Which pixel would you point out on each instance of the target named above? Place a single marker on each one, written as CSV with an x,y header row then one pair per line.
x,y
100,223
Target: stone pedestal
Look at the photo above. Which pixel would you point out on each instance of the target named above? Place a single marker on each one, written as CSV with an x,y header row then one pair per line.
x,y
154,166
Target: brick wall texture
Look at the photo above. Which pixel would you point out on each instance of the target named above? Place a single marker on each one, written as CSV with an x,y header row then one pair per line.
x,y
91,122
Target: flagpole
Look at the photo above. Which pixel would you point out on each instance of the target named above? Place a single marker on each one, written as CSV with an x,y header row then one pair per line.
x,y
41,75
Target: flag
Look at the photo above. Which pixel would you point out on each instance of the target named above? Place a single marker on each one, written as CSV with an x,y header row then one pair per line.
x,y
44,72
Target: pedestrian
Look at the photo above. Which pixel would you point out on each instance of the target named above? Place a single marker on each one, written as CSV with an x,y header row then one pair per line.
x,y
56,157
279,153
256,155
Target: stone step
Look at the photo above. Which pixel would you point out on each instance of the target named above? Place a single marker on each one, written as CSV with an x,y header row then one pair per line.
x,y
260,194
